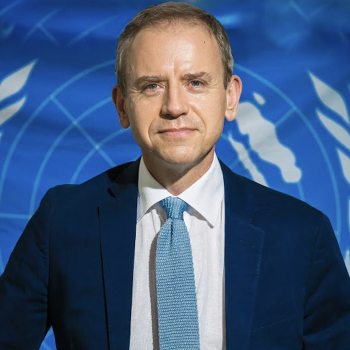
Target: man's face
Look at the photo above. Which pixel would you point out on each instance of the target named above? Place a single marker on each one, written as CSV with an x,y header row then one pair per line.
x,y
175,100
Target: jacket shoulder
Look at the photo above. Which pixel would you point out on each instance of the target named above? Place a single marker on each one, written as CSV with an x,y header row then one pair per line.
x,y
94,190
267,200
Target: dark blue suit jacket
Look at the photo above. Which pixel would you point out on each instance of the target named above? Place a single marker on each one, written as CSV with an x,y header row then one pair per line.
x,y
286,286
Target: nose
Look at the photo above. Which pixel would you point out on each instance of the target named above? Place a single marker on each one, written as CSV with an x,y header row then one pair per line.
x,y
175,101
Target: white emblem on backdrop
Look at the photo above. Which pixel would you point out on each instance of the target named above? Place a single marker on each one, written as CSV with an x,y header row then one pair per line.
x,y
264,141
263,137
10,86
337,127
10,104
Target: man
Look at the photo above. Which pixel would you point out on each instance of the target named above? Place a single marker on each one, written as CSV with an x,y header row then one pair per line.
x,y
264,270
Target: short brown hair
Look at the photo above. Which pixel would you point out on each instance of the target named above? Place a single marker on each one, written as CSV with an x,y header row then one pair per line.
x,y
170,12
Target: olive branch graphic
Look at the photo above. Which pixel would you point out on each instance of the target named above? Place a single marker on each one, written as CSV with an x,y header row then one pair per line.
x,y
10,86
339,129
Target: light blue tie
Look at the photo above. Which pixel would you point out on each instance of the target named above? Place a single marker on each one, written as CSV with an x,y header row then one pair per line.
x,y
176,291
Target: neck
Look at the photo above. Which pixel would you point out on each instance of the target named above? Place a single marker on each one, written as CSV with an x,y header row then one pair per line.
x,y
176,178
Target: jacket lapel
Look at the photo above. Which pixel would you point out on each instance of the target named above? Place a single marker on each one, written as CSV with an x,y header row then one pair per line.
x,y
117,234
243,252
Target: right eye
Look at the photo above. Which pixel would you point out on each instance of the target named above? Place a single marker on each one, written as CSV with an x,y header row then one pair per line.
x,y
152,86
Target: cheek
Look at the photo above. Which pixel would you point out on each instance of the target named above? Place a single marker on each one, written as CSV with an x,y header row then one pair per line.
x,y
141,123
215,129
212,116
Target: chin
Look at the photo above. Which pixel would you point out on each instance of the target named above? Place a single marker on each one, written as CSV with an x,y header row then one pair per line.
x,y
182,156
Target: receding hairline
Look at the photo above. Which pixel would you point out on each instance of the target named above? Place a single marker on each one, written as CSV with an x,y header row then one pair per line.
x,y
167,23
166,14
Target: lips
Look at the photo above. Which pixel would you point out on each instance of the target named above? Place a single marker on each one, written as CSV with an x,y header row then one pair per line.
x,y
176,132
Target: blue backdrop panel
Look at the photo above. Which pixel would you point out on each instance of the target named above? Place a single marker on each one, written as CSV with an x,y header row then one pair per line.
x,y
58,123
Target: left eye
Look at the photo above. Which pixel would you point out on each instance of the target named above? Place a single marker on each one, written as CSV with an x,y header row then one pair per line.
x,y
196,83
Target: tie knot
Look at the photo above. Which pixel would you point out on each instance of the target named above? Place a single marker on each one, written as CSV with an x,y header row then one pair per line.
x,y
174,207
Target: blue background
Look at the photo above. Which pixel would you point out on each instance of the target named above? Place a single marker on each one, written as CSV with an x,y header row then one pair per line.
x,y
58,124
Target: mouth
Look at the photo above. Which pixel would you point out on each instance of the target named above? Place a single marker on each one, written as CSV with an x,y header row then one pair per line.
x,y
176,132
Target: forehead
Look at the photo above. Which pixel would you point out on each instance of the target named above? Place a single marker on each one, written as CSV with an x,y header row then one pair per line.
x,y
176,44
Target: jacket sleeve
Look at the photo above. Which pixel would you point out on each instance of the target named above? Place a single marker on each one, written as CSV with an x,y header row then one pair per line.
x,y
327,298
24,285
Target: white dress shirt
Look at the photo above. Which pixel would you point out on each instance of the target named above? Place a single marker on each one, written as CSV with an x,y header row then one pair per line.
x,y
205,221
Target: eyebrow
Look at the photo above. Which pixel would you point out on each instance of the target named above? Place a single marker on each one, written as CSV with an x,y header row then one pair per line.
x,y
194,76
186,77
149,78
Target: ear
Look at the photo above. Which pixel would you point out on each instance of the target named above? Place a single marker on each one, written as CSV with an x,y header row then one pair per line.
x,y
233,93
119,102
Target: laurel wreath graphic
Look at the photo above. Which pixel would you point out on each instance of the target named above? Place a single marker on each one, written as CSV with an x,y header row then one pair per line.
x,y
10,86
335,103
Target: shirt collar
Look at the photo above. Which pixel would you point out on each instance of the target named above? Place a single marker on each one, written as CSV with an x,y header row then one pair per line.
x,y
204,196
